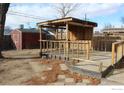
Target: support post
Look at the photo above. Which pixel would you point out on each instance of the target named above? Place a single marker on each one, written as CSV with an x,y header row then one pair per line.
x,y
100,67
77,49
67,39
87,50
61,34
113,54
40,29
122,49
57,34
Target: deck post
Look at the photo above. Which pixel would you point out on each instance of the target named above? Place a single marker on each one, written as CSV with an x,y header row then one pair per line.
x,y
61,34
40,29
57,34
100,67
87,50
67,39
122,49
77,49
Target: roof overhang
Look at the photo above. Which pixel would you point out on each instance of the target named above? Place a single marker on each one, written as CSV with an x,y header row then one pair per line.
x,y
69,20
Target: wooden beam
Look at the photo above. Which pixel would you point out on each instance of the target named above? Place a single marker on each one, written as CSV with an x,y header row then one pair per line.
x,y
61,34
67,32
56,34
87,53
67,39
55,21
50,26
113,54
79,24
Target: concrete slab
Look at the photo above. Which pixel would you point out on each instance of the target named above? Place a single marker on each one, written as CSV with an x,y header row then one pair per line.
x,y
48,68
81,84
86,81
59,83
37,67
61,77
69,81
96,58
63,67
109,82
118,76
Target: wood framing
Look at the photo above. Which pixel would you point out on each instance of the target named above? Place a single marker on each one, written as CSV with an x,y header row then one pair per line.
x,y
75,31
117,51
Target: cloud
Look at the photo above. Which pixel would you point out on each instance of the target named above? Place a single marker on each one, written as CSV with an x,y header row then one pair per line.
x,y
47,11
43,11
98,9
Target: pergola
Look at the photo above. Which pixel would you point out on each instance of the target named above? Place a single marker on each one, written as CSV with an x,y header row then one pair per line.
x,y
77,46
76,29
64,23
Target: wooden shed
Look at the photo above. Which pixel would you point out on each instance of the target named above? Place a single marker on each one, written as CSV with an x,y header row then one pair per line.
x,y
74,29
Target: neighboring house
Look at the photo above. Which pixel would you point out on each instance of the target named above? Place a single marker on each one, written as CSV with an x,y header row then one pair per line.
x,y
114,31
97,33
27,38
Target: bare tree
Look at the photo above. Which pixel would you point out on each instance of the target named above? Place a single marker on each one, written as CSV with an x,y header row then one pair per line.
x,y
3,10
65,9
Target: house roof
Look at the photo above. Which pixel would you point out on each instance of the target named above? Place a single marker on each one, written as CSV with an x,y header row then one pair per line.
x,y
31,30
7,31
34,30
69,20
113,30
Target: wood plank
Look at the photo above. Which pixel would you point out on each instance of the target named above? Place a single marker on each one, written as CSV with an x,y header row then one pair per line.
x,y
79,24
84,71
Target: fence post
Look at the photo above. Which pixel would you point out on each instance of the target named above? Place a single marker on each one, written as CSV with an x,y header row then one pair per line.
x,y
122,49
72,49
113,54
87,50
77,49
100,67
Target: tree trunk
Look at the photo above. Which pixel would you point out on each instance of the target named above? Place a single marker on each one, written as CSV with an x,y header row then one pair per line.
x,y
3,10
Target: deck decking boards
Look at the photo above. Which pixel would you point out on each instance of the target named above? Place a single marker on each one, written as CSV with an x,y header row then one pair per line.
x,y
92,65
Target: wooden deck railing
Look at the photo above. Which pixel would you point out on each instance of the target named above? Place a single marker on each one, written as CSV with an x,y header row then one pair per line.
x,y
117,51
66,49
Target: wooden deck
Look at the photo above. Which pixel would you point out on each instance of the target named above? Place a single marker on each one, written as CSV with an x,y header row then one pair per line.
x,y
82,57
98,62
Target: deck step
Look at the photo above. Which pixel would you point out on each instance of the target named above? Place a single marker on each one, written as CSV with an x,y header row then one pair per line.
x,y
84,71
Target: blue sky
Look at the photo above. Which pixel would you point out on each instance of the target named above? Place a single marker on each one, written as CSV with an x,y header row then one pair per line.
x,y
102,13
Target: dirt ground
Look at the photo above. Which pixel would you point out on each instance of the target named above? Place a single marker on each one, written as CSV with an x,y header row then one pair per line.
x,y
25,67
15,68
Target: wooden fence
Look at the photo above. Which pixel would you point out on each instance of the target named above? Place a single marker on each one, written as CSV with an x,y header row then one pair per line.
x,y
102,43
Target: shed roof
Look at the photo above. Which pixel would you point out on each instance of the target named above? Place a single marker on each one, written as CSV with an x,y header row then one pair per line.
x,y
69,20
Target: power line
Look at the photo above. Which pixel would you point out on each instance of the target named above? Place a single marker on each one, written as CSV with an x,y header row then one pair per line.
x,y
25,15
